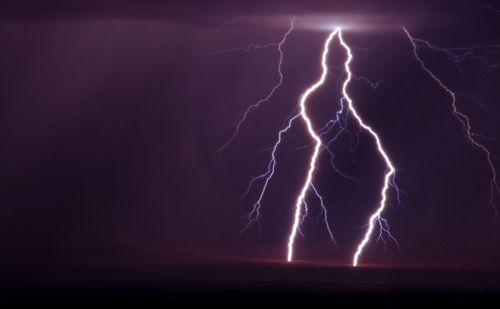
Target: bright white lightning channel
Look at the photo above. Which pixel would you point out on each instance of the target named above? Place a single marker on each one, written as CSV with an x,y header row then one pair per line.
x,y
390,170
375,218
317,146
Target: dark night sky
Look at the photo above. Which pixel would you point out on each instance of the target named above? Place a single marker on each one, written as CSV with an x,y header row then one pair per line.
x,y
111,116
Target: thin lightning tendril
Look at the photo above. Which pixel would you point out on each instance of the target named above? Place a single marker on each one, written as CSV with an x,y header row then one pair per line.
x,y
325,214
254,215
458,55
232,22
465,123
252,107
248,48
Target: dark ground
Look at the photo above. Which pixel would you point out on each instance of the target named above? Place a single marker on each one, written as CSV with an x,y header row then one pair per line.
x,y
122,276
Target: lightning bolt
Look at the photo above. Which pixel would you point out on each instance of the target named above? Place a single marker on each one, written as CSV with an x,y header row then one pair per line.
x,y
265,99
317,141
464,122
375,220
301,207
390,172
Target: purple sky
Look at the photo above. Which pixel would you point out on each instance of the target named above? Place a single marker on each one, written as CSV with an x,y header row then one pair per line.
x,y
111,117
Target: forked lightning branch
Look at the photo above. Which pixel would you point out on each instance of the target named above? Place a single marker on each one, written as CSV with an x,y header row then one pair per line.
x,y
376,223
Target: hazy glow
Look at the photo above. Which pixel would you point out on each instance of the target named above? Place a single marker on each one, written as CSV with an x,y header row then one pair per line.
x,y
351,21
